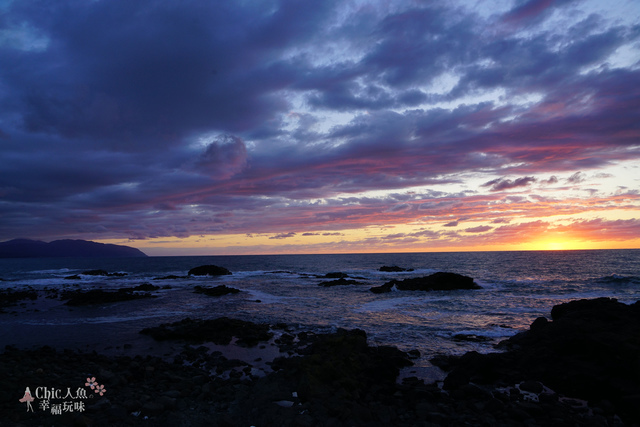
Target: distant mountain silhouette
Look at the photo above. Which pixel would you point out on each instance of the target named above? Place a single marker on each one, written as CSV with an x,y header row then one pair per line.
x,y
26,248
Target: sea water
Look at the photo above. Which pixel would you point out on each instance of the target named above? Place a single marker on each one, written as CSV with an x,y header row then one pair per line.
x,y
517,287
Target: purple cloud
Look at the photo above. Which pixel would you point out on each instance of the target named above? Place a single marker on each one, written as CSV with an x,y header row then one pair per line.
x,y
479,229
283,235
149,119
500,184
576,178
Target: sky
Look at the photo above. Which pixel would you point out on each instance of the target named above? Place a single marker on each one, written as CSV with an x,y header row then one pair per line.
x,y
269,127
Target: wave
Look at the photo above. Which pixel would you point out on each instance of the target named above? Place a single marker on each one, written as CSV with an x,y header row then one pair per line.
x,y
619,279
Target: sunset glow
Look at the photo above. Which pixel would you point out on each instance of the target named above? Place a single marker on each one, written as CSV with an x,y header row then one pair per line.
x,y
322,127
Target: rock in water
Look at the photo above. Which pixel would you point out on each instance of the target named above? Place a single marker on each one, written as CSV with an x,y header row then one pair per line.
x,y
339,282
209,270
216,291
440,281
393,269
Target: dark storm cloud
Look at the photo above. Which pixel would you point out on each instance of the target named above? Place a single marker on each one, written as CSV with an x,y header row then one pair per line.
x,y
283,235
223,157
151,118
576,178
500,184
531,10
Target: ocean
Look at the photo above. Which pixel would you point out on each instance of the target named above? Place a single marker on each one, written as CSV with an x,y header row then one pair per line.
x,y
517,287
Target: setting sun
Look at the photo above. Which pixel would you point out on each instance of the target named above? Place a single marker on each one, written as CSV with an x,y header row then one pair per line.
x,y
555,246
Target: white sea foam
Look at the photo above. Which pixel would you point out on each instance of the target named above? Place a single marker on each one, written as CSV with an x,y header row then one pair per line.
x,y
265,298
383,305
54,271
518,287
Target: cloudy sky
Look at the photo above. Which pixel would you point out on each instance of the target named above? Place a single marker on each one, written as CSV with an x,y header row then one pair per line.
x,y
205,127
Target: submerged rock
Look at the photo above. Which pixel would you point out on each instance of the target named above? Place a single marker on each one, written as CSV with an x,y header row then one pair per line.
x,y
335,275
393,269
146,287
215,291
98,296
209,270
170,277
440,281
340,282
95,273
102,273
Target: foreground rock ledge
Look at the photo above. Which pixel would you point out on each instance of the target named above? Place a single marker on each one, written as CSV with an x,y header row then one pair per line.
x,y
591,351
330,380
218,331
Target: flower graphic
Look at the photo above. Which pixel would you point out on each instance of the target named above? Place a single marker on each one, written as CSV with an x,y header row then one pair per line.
x,y
100,389
91,382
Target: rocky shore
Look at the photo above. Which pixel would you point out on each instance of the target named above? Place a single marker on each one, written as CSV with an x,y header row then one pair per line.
x,y
580,369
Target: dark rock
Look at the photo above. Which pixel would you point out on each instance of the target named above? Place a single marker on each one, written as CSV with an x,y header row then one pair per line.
x,y
602,308
170,277
339,282
98,296
215,291
338,374
532,386
337,380
381,289
218,331
589,351
335,275
539,323
102,273
394,269
74,277
152,408
95,273
209,270
9,297
470,338
440,281
146,287
414,354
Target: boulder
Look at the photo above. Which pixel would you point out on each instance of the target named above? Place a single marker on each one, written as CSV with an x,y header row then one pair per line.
x,y
209,270
340,282
440,281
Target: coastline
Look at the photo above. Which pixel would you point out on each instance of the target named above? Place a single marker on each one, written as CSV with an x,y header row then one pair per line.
x,y
338,379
